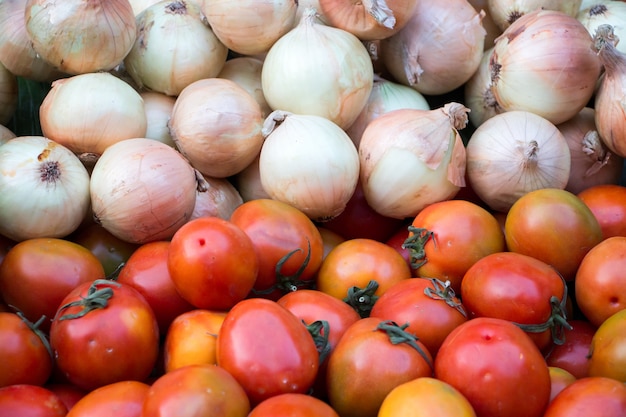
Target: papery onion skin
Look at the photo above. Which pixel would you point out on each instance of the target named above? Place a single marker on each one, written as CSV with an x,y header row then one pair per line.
x,y
6,134
140,5
493,31
8,95
215,197
246,71
479,95
609,12
158,108
505,12
44,188
78,36
142,190
248,182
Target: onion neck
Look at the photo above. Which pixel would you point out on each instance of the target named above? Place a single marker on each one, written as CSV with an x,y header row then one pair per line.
x,y
531,154
457,113
379,10
605,42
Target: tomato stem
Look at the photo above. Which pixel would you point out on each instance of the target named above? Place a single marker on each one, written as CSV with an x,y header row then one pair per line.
x,y
397,335
362,299
289,283
443,291
320,331
416,244
96,298
35,327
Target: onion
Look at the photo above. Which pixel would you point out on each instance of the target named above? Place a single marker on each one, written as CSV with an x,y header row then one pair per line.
x,y
610,99
479,95
538,59
246,71
413,158
44,188
386,96
304,5
142,190
318,70
217,125
505,12
8,95
248,182
215,197
5,134
592,162
140,5
250,27
89,112
513,153
174,47
493,31
368,19
439,48
78,36
609,12
308,162
158,107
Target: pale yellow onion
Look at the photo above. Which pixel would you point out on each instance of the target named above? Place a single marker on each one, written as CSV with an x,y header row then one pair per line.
x,y
250,27
592,162
478,95
142,190
412,158
246,71
174,47
368,19
538,59
308,162
610,98
609,12
158,107
140,5
5,134
8,95
513,153
248,182
78,36
44,189
505,12
493,31
304,5
215,197
89,112
217,125
16,49
439,48
318,70
386,96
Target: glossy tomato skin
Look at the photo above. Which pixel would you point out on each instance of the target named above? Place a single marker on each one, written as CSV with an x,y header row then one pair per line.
x,y
37,273
600,284
277,229
365,366
25,357
554,226
608,348
397,240
608,204
68,393
591,396
293,405
119,399
146,271
573,354
559,379
267,349
116,343
196,390
212,263
497,367
27,400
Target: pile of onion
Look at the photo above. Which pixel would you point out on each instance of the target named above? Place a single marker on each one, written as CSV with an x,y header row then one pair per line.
x,y
158,107
246,71
605,12
215,197
478,93
505,12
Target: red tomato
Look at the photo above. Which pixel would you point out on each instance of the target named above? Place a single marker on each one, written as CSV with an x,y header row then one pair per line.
x,y
429,306
600,284
212,263
146,271
607,353
591,396
448,237
68,393
520,289
113,328
497,367
196,390
559,379
24,350
37,273
26,400
267,349
554,226
608,204
288,245
397,240
293,405
119,399
573,354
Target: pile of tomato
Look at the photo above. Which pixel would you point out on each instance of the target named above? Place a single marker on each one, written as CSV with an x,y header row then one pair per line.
x,y
460,311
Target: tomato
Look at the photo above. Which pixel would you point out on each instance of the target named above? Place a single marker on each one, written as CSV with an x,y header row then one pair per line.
x,y
212,263
591,396
559,379
37,273
119,399
520,289
356,263
372,358
608,204
330,239
68,393
267,349
192,339
25,400
24,352
425,397
607,353
196,390
146,271
554,226
429,306
104,332
397,240
293,405
288,244
600,284
573,354
448,237
497,367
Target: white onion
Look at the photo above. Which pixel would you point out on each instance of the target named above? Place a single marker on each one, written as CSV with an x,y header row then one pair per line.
x,y
505,12
478,93
5,134
246,71
215,197
158,108
600,12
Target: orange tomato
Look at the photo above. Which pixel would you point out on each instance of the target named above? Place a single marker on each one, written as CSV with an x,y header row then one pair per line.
x,y
119,399
608,204
608,348
559,379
